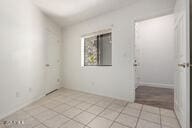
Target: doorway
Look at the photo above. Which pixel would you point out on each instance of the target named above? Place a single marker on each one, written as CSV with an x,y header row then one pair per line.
x,y
52,70
155,61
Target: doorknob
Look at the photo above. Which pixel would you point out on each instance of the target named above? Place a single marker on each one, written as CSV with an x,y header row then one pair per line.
x,y
182,65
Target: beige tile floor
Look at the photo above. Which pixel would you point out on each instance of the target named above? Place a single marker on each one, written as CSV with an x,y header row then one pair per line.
x,y
73,109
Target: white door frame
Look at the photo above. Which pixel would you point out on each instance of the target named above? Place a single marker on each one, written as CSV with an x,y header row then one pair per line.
x,y
52,67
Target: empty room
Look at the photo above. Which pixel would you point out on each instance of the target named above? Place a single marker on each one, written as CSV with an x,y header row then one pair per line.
x,y
95,64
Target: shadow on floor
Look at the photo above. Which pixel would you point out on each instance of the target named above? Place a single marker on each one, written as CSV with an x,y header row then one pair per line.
x,y
158,97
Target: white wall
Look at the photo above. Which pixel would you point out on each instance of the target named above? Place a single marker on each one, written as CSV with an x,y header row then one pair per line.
x,y
156,56
22,54
116,81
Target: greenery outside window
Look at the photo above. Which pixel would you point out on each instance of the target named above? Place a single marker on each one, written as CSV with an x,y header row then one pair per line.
x,y
96,49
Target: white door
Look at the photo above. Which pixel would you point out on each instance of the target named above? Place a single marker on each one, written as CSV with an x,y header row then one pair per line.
x,y
52,62
182,69
137,57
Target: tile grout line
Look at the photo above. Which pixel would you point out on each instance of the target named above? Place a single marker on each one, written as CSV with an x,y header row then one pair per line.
x,y
72,97
113,121
107,107
118,116
53,99
96,115
139,117
153,114
99,114
84,111
177,119
81,112
57,113
160,118
32,116
129,115
77,114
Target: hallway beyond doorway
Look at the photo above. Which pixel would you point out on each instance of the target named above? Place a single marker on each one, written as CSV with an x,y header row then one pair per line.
x,y
158,97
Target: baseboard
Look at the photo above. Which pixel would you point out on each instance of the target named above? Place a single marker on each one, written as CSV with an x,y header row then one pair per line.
x,y
170,86
130,99
20,107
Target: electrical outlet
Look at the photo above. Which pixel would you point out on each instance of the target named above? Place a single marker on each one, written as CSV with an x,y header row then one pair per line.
x,y
17,94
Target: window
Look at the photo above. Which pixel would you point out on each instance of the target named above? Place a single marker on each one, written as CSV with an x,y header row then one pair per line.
x,y
96,49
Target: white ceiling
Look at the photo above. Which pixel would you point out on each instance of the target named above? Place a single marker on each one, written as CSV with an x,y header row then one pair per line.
x,y
67,12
